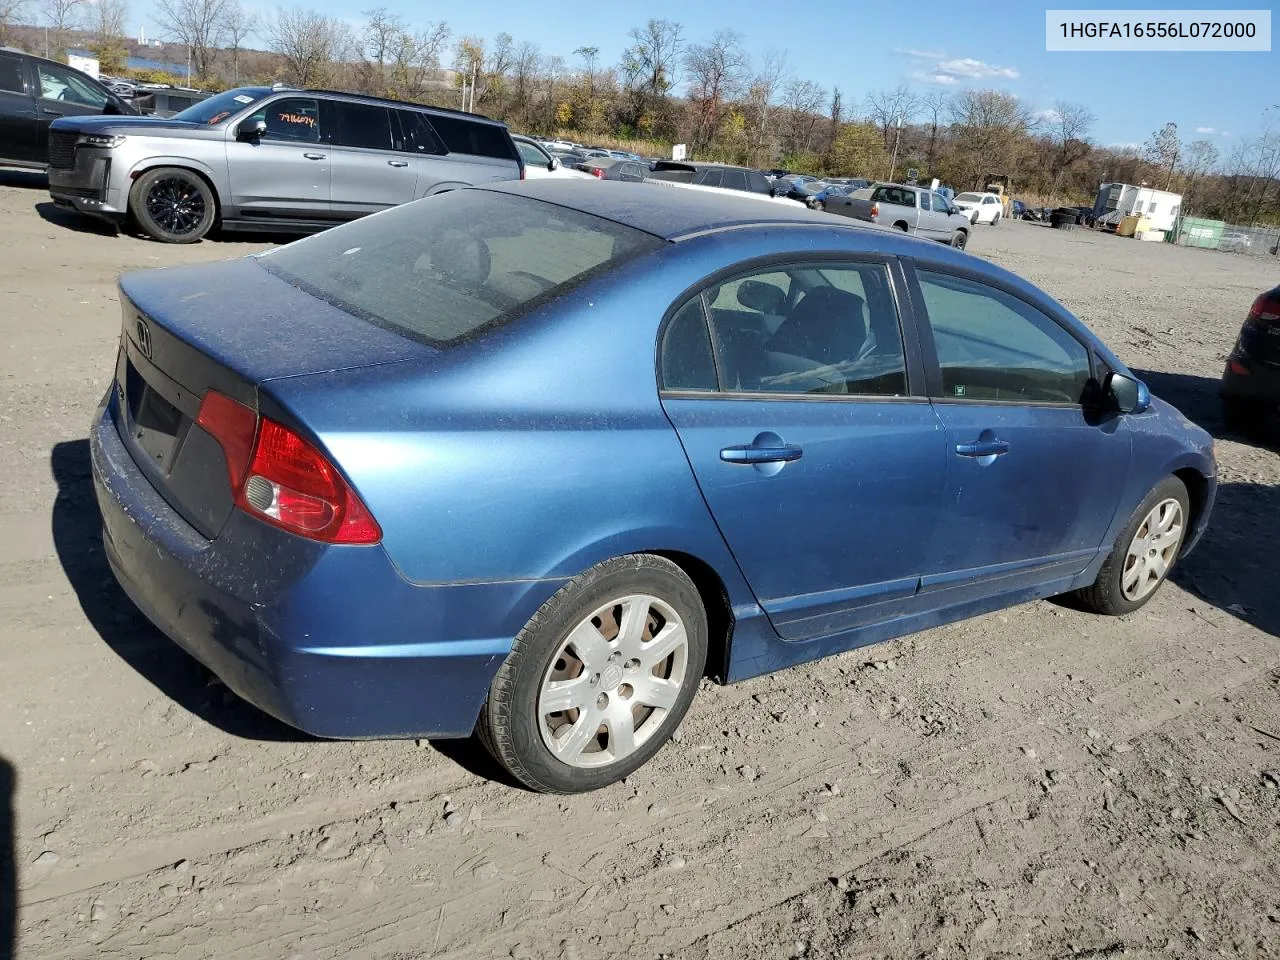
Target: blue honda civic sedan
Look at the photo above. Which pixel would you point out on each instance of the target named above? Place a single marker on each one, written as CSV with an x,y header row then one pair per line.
x,y
529,461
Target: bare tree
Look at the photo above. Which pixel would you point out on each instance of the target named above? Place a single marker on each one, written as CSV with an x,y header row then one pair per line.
x,y
106,23
803,101
61,16
416,59
760,109
1069,124
524,69
889,109
932,106
1162,150
718,71
379,36
238,23
649,63
307,41
589,56
10,12
990,128
196,24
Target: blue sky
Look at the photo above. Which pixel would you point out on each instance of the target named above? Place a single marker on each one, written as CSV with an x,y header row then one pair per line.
x,y
860,47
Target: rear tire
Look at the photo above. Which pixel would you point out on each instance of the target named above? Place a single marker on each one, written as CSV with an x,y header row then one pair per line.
x,y
995,221
1144,554
578,704
173,205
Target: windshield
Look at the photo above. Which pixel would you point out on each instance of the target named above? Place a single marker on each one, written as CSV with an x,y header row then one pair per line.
x,y
216,109
456,265
969,198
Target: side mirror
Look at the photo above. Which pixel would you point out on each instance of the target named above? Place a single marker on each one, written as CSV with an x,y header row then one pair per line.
x,y
554,164
112,108
251,129
1128,395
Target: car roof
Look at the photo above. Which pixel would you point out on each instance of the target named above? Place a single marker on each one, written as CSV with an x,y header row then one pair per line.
x,y
670,214
389,102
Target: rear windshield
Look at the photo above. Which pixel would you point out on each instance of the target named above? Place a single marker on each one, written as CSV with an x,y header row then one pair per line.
x,y
456,265
216,109
462,135
967,197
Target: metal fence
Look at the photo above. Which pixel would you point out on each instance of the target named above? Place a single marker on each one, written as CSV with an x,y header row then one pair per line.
x,y
1257,241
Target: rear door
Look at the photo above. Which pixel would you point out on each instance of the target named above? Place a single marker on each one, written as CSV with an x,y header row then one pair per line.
x,y
799,410
367,175
19,125
286,174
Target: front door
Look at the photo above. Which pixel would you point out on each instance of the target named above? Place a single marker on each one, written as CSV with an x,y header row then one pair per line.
x,y
819,460
63,92
368,175
1034,474
19,138
286,173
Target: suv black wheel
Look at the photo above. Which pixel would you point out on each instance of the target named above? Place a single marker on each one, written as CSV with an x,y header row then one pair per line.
x,y
173,205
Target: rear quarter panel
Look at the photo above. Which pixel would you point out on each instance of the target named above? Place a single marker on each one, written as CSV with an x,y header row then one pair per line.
x,y
437,174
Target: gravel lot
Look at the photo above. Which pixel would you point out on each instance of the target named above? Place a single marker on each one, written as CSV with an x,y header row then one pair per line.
x,y
1035,783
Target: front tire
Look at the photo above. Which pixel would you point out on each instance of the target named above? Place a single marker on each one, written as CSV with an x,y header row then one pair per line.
x,y
173,205
600,677
959,239
1144,553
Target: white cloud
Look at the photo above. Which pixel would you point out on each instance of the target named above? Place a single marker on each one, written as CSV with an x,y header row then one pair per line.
x,y
919,54
1205,130
1122,146
975,69
1048,116
1225,133
941,79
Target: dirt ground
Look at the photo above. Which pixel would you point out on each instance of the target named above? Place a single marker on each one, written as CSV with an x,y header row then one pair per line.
x,y
1034,783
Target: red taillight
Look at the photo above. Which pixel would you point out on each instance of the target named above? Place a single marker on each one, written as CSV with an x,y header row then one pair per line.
x,y
875,210
1238,368
234,426
282,479
1266,308
597,172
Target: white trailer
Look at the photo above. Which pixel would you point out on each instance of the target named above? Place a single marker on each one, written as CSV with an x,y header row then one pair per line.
x,y
1122,199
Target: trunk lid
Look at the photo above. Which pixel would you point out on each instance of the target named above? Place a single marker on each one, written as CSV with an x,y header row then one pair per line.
x,y
227,327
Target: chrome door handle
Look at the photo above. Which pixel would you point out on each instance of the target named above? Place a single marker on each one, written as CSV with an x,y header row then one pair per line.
x,y
982,448
397,163
753,454
314,156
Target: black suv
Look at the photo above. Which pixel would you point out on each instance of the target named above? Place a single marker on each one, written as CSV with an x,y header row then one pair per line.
x,y
721,175
33,93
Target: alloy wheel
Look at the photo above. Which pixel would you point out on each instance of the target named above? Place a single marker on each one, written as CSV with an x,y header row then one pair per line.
x,y
1153,549
176,205
613,681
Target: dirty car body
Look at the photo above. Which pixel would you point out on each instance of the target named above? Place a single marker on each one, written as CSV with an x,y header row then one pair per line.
x,y
625,382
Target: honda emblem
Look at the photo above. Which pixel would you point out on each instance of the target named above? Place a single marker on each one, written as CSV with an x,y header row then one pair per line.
x,y
142,333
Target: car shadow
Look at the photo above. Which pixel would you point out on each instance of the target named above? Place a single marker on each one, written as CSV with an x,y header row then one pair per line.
x,y
77,538
50,212
1197,398
23,179
8,862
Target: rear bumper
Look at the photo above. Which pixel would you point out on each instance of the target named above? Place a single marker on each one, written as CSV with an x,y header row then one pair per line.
x,y
1260,382
331,640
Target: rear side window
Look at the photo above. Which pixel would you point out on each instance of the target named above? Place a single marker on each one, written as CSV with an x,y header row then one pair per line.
x,y
924,202
478,139
361,125
994,346
710,178
415,134
687,362
453,266
11,75
734,180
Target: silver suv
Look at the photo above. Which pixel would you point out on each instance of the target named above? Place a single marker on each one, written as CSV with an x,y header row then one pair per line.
x,y
262,158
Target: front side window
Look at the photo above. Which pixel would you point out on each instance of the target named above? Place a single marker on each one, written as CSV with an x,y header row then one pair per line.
x,y
67,86
993,346
822,328
361,125
291,118
531,154
450,267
